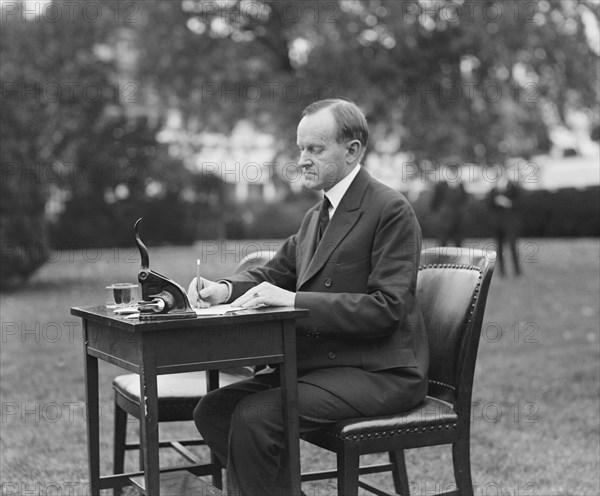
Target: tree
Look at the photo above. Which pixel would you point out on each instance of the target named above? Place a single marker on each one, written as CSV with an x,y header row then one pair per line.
x,y
125,174
68,127
472,79
53,94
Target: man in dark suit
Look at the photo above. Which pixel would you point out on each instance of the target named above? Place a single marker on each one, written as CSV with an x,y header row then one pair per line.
x,y
353,263
449,201
503,202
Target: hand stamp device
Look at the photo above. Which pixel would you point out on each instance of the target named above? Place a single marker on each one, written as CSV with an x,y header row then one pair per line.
x,y
163,298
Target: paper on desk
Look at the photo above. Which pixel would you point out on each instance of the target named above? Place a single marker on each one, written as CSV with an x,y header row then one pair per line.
x,y
217,310
132,313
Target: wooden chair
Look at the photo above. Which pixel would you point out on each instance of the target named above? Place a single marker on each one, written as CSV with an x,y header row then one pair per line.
x,y
178,395
452,288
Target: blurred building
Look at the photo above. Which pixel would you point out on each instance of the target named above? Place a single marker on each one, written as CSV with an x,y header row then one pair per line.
x,y
573,162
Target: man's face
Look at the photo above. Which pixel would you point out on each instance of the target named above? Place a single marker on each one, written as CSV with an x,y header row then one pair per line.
x,y
323,160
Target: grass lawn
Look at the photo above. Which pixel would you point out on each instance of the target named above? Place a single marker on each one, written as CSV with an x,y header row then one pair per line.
x,y
535,428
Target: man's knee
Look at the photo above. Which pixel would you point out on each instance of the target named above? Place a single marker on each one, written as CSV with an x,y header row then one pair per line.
x,y
199,414
253,417
207,411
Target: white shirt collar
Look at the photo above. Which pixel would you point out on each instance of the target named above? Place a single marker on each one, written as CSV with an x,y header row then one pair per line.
x,y
337,192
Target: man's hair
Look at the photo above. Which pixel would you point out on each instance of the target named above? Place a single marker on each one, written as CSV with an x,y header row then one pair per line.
x,y
351,122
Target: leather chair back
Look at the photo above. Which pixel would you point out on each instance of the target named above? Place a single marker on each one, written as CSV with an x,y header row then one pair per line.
x,y
254,259
452,288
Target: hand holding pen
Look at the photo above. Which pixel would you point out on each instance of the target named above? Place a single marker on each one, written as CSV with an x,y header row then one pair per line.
x,y
203,292
199,287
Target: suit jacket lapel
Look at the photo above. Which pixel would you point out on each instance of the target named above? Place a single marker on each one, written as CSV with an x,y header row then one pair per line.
x,y
343,220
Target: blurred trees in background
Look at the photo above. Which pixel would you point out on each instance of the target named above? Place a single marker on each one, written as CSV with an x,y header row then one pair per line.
x,y
469,79
45,123
87,91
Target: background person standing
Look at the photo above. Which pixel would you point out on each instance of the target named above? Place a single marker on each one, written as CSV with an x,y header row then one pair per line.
x,y
503,202
449,201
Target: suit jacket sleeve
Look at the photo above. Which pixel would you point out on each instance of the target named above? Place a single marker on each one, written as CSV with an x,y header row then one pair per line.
x,y
280,271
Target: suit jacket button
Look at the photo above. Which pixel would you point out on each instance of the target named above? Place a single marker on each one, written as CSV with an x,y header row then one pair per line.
x,y
331,355
328,282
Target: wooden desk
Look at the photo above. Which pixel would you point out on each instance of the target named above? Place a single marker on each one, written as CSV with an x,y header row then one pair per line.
x,y
251,337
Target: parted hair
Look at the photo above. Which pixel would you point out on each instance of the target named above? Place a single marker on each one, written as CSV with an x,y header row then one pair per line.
x,y
351,122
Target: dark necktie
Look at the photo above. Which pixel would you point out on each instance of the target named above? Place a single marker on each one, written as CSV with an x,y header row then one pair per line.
x,y
323,218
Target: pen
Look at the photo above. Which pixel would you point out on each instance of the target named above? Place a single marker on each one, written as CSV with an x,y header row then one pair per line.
x,y
198,284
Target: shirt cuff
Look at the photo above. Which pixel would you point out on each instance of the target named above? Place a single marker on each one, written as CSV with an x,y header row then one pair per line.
x,y
229,287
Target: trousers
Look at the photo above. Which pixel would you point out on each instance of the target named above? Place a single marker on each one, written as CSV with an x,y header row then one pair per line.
x,y
243,425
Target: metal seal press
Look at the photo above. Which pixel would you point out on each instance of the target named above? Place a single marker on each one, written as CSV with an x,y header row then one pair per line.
x,y
163,298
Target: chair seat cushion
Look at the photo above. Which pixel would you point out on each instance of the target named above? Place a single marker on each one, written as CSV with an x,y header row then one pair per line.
x,y
432,414
178,394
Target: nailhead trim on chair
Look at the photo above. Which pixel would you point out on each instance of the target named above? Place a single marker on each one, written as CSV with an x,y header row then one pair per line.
x,y
442,384
376,435
450,266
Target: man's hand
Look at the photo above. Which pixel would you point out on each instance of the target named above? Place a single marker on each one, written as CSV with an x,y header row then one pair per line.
x,y
266,294
211,293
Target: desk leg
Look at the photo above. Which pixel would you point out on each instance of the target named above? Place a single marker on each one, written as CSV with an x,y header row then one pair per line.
x,y
212,381
93,416
289,393
149,423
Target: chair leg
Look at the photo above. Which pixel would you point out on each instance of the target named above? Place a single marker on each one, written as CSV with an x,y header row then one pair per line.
x,y
399,472
120,434
347,467
217,474
461,459
141,449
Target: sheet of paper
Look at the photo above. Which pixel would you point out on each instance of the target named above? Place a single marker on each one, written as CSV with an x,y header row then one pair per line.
x,y
132,313
216,310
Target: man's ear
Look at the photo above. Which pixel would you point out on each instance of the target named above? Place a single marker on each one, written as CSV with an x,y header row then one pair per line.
x,y
354,149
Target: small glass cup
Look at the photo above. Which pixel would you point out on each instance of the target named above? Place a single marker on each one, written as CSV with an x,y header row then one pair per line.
x,y
121,294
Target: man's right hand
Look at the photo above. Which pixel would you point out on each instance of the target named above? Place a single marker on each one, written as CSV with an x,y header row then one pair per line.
x,y
211,293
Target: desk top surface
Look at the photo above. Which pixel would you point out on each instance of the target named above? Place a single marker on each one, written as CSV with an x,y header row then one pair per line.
x,y
105,316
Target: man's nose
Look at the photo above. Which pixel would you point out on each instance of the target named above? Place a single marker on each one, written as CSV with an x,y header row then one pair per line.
x,y
304,160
